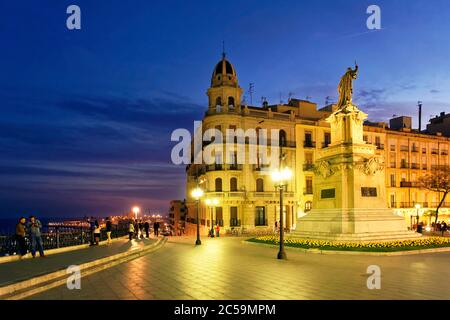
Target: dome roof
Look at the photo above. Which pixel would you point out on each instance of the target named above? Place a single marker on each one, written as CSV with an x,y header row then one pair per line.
x,y
223,74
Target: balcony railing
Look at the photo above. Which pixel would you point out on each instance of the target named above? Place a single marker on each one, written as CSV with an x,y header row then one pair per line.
x,y
434,151
309,144
404,148
393,165
415,166
444,152
404,166
409,184
308,190
414,149
380,146
325,144
424,167
259,223
422,204
235,222
308,166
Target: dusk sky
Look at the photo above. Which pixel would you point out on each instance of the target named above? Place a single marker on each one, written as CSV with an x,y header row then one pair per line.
x,y
86,115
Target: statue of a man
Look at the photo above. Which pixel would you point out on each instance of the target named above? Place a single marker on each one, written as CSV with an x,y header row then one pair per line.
x,y
345,87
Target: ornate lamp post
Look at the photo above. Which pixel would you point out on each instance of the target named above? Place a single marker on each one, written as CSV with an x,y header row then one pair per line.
x,y
281,177
197,193
212,203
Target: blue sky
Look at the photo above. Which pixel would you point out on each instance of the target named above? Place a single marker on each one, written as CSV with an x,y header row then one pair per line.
x,y
87,114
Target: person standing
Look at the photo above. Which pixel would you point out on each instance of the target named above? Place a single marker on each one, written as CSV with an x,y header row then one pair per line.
x,y
147,229
131,230
20,237
97,232
92,230
443,227
108,230
34,229
217,230
155,228
141,229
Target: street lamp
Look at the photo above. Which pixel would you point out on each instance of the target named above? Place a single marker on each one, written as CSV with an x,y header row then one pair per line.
x,y
136,211
281,177
212,203
197,193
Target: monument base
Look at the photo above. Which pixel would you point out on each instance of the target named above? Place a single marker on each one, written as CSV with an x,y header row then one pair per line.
x,y
353,225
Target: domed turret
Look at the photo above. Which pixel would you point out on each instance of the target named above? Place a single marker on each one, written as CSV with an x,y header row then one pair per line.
x,y
224,74
224,90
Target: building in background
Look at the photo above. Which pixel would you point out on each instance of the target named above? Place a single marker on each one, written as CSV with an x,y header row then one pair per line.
x,y
177,215
440,124
247,198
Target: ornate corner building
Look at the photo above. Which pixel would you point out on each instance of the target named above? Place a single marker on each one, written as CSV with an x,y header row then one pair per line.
x,y
247,199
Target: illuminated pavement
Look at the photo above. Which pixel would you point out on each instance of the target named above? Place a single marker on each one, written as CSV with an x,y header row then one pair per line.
x,y
225,268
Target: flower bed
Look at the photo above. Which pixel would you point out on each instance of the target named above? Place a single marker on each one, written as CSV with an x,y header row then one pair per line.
x,y
373,246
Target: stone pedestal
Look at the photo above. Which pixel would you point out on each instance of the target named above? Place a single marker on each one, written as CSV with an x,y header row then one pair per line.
x,y
349,200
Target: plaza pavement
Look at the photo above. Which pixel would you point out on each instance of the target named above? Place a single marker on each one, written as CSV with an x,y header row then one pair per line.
x,y
12,272
225,268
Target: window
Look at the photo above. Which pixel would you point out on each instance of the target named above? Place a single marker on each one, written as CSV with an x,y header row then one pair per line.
x,y
282,142
219,216
233,184
230,101
259,185
309,186
218,101
260,216
392,180
368,192
218,185
308,206
308,140
327,139
234,222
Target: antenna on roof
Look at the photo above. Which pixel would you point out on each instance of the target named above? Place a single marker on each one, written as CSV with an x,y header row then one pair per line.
x,y
290,94
328,100
223,49
419,104
251,88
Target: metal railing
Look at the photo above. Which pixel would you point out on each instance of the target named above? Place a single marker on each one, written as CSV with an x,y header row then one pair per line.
x,y
235,222
308,166
60,236
309,144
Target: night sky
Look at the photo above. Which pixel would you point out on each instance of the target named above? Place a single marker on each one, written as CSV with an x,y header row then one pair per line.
x,y
86,115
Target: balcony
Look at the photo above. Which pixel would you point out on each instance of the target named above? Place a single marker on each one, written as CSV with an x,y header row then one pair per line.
x,y
431,205
325,144
404,165
404,148
414,149
424,167
307,190
235,222
424,150
444,152
392,165
236,167
308,166
309,144
434,151
409,184
261,167
415,166
380,146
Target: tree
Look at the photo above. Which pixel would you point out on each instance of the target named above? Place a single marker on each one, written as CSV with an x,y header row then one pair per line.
x,y
438,181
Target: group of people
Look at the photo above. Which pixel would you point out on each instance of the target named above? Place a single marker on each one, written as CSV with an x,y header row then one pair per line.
x,y
216,229
440,226
32,227
136,229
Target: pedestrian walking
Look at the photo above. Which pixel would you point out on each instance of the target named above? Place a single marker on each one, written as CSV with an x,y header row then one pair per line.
x,y
147,229
97,232
217,230
131,230
141,229
20,237
34,230
108,230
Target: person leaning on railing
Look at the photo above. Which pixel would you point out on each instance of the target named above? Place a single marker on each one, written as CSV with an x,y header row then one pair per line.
x,y
34,229
20,236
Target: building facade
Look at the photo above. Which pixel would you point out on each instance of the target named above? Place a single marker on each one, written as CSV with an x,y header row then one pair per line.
x,y
246,195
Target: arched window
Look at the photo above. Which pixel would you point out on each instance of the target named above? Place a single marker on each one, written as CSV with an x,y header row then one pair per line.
x,y
218,185
259,185
230,101
218,101
308,206
233,184
282,138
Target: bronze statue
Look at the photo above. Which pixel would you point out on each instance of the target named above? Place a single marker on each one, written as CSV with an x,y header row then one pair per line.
x,y
345,87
